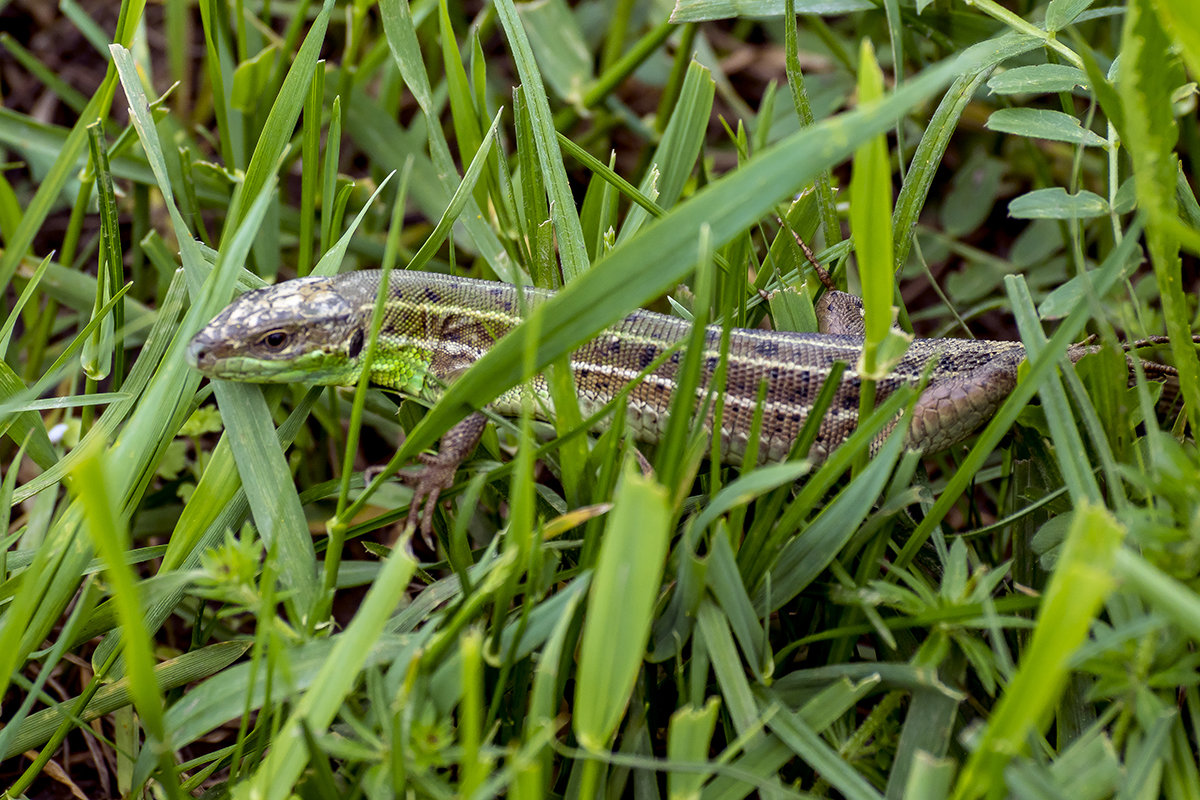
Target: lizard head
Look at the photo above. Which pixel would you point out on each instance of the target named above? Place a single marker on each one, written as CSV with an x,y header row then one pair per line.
x,y
297,331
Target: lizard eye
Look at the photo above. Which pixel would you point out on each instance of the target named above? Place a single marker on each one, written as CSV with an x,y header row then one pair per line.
x,y
274,340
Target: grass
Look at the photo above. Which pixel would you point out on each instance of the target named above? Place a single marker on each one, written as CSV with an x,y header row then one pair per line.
x,y
195,603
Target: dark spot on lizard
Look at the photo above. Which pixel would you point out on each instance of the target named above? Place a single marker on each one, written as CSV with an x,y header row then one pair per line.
x,y
432,295
765,347
649,353
356,343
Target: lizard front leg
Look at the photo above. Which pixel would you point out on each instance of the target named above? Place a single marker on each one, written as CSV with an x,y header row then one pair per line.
x,y
437,471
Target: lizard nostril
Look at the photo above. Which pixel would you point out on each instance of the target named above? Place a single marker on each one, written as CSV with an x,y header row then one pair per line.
x,y
196,352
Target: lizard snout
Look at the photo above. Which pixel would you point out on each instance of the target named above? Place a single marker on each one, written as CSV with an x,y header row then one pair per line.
x,y
199,354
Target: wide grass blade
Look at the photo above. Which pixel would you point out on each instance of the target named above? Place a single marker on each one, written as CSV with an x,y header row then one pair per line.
x,y
110,536
618,615
1146,82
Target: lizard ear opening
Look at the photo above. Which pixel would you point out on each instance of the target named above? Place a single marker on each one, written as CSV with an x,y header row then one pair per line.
x,y
356,343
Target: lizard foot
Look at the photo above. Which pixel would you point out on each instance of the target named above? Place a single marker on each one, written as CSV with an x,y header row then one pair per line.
x,y
436,473
428,481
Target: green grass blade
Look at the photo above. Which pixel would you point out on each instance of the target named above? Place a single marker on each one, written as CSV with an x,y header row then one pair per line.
x,y
559,44
457,201
65,162
928,155
25,426
276,775
618,616
281,120
110,536
399,29
1072,460
676,154
1081,581
572,248
870,225
1146,82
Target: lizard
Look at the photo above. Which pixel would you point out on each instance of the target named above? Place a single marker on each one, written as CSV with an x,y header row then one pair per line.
x,y
314,330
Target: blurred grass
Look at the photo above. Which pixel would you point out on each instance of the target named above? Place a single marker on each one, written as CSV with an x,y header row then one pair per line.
x,y
864,627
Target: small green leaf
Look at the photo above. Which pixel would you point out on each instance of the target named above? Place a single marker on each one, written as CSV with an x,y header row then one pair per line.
x,y
173,460
703,10
205,419
1061,13
973,193
1055,203
1068,295
1038,123
1038,79
1126,197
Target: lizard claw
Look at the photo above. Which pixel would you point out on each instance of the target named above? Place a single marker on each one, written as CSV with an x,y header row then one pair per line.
x,y
435,475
